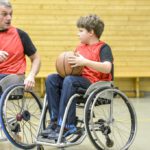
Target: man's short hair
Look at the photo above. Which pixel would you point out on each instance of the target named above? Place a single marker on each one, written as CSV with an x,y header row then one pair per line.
x,y
5,3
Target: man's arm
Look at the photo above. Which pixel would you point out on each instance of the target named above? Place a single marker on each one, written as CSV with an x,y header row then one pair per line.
x,y
35,66
31,52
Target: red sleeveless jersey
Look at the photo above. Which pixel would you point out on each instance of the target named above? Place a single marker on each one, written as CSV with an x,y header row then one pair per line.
x,y
11,43
92,52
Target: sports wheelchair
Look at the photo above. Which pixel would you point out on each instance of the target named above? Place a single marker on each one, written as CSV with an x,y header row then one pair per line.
x,y
103,113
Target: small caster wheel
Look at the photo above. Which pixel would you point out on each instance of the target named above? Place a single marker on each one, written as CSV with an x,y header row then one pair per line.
x,y
40,147
110,143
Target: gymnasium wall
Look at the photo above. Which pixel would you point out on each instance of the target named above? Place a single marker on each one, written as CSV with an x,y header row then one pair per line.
x,y
52,27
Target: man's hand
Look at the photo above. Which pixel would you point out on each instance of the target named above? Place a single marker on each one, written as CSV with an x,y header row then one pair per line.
x,y
29,82
3,56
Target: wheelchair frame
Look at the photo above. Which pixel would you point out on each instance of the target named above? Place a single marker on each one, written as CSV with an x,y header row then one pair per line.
x,y
90,127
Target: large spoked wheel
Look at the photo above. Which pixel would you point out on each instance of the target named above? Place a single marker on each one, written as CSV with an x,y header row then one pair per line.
x,y
20,111
112,122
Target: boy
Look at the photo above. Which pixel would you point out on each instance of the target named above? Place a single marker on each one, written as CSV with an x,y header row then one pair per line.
x,y
97,59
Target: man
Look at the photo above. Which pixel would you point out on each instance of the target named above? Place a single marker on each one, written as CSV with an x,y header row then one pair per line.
x,y
14,45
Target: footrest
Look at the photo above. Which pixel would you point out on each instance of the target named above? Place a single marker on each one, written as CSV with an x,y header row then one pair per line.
x,y
42,139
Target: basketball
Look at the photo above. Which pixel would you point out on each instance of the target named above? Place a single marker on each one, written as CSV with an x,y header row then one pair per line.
x,y
64,68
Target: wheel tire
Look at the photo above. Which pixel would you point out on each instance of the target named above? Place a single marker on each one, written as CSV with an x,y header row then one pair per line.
x,y
91,105
19,116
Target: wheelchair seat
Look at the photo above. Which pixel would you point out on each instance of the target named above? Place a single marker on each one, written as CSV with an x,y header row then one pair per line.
x,y
84,93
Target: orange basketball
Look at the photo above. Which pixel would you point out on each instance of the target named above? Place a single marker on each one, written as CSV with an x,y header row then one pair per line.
x,y
64,68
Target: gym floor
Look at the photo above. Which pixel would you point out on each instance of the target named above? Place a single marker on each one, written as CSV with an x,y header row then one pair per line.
x,y
142,107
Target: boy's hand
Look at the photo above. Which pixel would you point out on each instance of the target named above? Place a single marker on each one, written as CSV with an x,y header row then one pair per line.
x,y
3,56
77,60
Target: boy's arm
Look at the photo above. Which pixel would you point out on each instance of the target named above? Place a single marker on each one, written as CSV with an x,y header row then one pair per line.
x,y
104,66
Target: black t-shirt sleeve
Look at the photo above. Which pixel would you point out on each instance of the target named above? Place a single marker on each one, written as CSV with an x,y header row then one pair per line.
x,y
106,54
29,48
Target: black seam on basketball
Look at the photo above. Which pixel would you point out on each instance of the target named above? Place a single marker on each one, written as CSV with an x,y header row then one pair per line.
x,y
64,64
81,70
58,70
71,71
72,68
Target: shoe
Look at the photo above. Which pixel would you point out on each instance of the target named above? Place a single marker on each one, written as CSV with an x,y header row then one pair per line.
x,y
55,133
51,127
